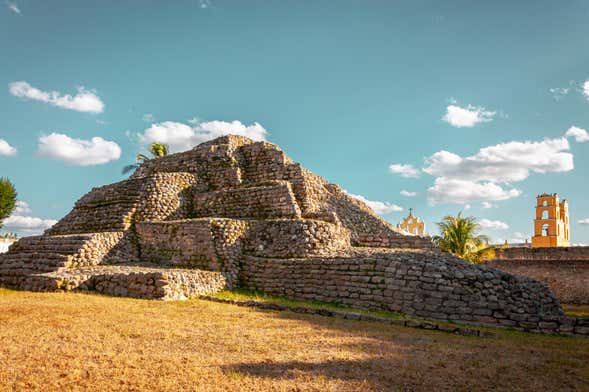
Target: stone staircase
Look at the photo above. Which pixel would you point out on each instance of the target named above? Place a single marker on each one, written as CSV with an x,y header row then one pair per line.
x,y
44,253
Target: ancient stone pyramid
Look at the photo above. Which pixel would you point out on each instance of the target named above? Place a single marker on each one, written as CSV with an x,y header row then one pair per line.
x,y
236,213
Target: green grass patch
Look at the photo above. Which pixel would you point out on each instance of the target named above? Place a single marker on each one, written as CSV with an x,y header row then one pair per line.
x,y
248,295
580,311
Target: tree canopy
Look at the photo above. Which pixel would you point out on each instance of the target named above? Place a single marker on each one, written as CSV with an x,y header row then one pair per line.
x,y
460,236
156,149
7,199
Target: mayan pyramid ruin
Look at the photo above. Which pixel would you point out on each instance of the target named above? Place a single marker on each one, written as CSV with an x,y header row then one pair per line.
x,y
231,213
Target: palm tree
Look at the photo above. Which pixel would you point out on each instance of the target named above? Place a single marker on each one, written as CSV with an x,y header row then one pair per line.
x,y
460,236
156,149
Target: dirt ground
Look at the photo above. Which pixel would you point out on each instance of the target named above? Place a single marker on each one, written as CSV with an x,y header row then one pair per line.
x,y
67,341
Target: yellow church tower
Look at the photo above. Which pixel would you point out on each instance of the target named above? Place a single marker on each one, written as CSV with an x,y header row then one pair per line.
x,y
551,226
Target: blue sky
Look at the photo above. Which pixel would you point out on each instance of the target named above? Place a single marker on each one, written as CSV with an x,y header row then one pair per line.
x,y
466,104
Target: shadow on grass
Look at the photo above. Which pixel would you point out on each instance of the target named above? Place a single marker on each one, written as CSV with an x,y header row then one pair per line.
x,y
375,373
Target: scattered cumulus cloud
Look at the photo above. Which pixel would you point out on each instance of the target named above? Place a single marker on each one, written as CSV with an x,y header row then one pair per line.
x,y
78,152
451,190
579,134
22,224
585,89
516,238
28,225
83,101
559,93
408,193
22,207
181,137
13,7
487,205
6,149
506,162
407,171
584,221
379,207
205,4
467,117
493,224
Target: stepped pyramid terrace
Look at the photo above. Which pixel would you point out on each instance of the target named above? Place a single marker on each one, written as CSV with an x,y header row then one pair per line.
x,y
234,213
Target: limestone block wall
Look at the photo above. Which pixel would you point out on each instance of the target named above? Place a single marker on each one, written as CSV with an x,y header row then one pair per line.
x,y
136,281
212,244
273,199
568,279
262,162
422,284
288,238
179,243
214,164
565,253
107,208
166,196
564,269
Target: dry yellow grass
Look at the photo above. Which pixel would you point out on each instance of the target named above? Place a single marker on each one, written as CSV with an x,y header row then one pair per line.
x,y
71,341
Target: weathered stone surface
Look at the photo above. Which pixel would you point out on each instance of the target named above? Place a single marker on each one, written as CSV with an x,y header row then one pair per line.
x,y
233,212
565,269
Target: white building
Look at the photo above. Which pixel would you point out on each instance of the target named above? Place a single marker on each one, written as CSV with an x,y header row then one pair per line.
x,y
5,243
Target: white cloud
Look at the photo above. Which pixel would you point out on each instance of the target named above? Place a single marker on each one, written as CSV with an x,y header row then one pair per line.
x,y
506,162
559,93
586,89
467,206
83,101
22,207
579,134
379,207
448,190
519,237
13,7
27,225
493,224
408,193
467,117
407,171
181,137
6,149
78,152
584,221
486,204
24,225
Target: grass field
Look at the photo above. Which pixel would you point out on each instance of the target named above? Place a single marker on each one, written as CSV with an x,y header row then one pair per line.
x,y
66,341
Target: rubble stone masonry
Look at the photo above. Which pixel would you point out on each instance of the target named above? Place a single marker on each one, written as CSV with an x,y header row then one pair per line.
x,y
564,269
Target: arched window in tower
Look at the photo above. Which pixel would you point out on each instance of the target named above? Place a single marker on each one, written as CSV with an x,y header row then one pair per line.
x,y
545,230
545,203
544,214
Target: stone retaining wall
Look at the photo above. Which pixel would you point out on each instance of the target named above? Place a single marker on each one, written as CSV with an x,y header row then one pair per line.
x,y
564,269
564,253
568,279
422,284
138,281
265,201
289,238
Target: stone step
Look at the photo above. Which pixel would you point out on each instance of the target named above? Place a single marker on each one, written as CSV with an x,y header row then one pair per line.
x,y
143,280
